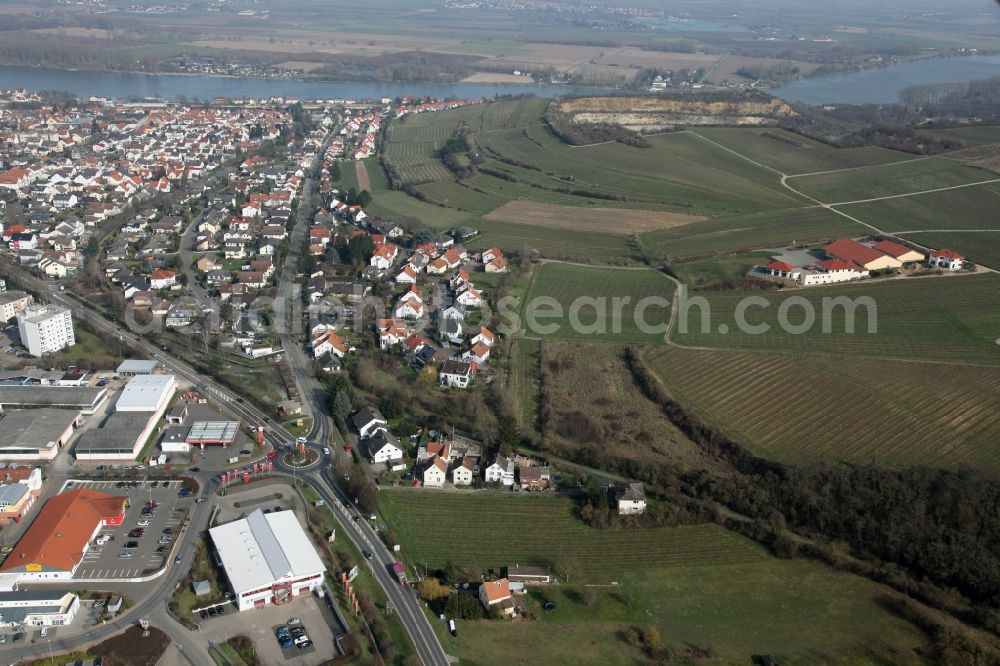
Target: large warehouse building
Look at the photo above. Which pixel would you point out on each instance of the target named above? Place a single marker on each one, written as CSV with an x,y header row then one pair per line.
x,y
84,399
56,542
142,403
268,558
36,434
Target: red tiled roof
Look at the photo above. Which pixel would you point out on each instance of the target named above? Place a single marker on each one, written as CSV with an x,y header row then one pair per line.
x,y
62,529
947,254
838,265
780,266
892,249
851,250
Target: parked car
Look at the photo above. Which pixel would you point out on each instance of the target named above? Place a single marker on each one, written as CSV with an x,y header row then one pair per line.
x,y
204,615
304,644
124,555
294,620
177,560
18,637
245,452
44,632
284,637
143,523
131,545
298,632
212,611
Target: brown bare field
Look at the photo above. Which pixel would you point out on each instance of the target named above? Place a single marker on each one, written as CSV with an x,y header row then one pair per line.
x,y
621,221
493,77
364,182
986,156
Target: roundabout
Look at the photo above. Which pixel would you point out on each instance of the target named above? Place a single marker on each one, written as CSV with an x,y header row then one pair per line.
x,y
299,459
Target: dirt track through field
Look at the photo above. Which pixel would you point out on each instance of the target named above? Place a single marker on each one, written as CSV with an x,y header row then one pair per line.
x,y
364,183
621,221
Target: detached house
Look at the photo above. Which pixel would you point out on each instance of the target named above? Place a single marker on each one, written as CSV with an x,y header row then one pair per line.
x,y
162,279
630,500
949,260
501,470
368,421
383,447
496,594
436,473
463,473
410,305
455,372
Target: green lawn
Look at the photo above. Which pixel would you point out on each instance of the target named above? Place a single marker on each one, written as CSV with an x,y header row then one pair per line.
x,y
524,379
563,287
929,318
969,136
965,208
718,270
581,246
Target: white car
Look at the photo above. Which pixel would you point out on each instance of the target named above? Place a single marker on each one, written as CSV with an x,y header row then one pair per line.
x,y
143,523
326,451
44,632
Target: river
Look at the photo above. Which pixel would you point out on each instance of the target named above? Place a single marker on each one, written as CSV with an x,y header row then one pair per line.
x,y
128,84
873,86
882,86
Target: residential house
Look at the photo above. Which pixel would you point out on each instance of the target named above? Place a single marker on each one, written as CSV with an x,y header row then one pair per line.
x,y
495,594
410,305
947,259
456,373
501,470
436,473
383,447
630,500
329,343
390,333
162,279
464,472
368,421
479,353
384,256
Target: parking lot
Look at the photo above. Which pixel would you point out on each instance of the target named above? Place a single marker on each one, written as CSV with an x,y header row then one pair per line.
x,y
125,556
259,625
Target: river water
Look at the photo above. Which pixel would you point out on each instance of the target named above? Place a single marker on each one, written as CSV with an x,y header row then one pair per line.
x,y
882,86
874,86
123,85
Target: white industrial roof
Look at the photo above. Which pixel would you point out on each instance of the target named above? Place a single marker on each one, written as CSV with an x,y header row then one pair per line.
x,y
264,548
134,366
145,393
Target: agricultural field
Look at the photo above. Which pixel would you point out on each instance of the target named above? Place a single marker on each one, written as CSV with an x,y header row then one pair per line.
x,y
397,206
592,398
796,154
981,247
498,530
699,586
889,180
795,408
797,610
750,232
582,246
966,208
928,318
563,284
576,218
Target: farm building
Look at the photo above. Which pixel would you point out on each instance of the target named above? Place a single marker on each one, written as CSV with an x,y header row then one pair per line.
x,y
868,258
949,260
905,254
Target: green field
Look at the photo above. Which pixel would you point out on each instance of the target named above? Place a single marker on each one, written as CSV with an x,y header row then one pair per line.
x,y
795,610
566,283
580,246
966,208
931,318
792,408
750,232
796,154
699,586
904,178
497,530
981,247
719,270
